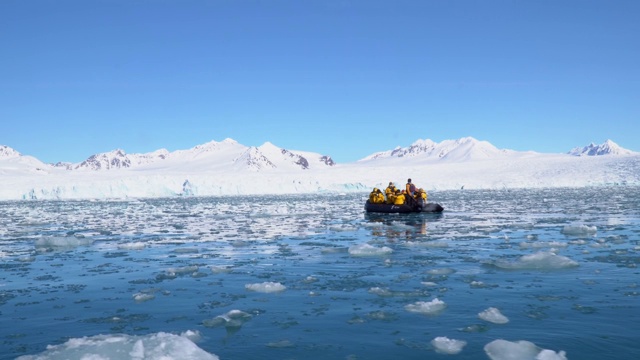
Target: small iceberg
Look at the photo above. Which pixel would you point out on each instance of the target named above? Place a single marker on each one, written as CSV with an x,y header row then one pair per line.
x,y
493,315
369,250
579,230
433,307
521,350
444,345
542,260
149,347
232,320
266,287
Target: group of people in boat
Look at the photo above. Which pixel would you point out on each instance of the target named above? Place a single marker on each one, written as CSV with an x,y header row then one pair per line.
x,y
395,196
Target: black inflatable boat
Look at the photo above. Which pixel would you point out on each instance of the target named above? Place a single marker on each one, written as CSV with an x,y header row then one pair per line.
x,y
419,206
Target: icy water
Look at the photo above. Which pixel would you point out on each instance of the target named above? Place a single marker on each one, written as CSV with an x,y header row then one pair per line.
x,y
500,274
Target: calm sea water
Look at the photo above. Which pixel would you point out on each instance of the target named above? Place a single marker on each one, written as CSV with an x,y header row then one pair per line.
x,y
314,277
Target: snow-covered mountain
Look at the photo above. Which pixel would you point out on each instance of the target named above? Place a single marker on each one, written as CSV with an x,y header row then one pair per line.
x,y
13,162
607,148
230,168
269,156
206,156
118,159
463,149
7,152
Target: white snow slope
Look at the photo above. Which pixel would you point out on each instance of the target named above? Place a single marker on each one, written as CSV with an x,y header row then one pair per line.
x,y
230,168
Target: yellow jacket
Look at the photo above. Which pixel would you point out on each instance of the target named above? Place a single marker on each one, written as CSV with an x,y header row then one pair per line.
x,y
390,190
399,200
391,198
376,197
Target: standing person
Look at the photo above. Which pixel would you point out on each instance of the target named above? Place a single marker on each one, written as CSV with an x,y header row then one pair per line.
x,y
411,188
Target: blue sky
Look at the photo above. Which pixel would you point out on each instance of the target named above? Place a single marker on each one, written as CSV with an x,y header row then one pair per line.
x,y
341,78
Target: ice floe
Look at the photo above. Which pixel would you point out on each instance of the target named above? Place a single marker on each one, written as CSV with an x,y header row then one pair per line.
x,y
579,230
432,307
493,315
444,345
369,250
539,261
520,350
158,346
266,287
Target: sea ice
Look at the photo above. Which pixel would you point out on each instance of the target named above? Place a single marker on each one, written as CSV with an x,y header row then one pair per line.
x,y
444,345
369,250
132,246
142,297
232,319
62,242
541,261
441,271
432,307
579,230
520,350
266,287
493,315
158,346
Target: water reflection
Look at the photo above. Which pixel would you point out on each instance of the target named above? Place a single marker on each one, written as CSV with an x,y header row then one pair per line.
x,y
400,226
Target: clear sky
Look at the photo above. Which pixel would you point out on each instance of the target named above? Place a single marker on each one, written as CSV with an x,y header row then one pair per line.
x,y
338,77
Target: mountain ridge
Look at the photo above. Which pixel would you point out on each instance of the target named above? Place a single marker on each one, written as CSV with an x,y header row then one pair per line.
x,y
607,148
268,156
229,168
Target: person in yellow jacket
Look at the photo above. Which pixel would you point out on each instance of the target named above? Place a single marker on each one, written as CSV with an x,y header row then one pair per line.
x,y
391,197
376,196
421,194
391,189
399,200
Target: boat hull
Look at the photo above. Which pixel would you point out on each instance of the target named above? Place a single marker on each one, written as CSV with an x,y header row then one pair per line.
x,y
403,209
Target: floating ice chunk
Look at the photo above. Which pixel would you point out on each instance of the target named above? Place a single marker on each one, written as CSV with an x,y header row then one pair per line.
x,y
493,315
193,335
62,242
520,350
231,319
481,285
281,344
579,230
429,284
149,347
310,279
368,250
541,260
543,244
444,345
266,287
219,269
132,246
142,297
182,270
442,271
380,291
432,307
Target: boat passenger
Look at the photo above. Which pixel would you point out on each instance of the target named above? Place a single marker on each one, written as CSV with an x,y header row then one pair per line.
x,y
421,194
391,189
391,197
376,196
399,200
410,187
